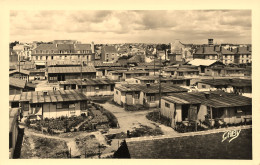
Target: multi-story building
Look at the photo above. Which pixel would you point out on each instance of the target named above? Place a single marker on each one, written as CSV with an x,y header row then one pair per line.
x,y
242,55
206,53
109,54
225,55
49,52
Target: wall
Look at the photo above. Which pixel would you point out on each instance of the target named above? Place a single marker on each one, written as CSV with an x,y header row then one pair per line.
x,y
193,145
207,86
50,111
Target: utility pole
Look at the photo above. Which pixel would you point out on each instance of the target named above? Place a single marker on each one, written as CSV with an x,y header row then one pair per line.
x,y
154,65
81,73
160,87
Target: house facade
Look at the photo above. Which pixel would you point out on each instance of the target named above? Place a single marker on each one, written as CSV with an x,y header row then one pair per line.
x,y
242,55
90,87
50,104
109,54
48,52
65,73
211,107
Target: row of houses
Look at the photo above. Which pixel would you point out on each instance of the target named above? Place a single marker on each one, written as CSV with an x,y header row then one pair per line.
x,y
143,94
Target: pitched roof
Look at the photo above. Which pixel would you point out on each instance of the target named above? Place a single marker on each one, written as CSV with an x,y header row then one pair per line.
x,y
227,82
52,96
206,50
17,82
136,71
21,71
217,99
98,64
162,79
171,146
109,49
203,62
64,47
165,88
241,50
88,82
85,69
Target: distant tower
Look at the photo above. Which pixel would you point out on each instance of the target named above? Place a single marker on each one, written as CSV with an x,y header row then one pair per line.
x,y
92,47
210,42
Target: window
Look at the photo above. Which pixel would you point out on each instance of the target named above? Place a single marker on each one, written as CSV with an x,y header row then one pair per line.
x,y
152,98
203,86
117,92
52,57
167,105
59,106
136,95
26,107
83,105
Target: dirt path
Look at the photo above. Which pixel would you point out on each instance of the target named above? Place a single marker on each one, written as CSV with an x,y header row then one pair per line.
x,y
129,120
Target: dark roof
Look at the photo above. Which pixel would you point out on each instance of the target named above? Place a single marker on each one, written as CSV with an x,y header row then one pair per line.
x,y
154,88
181,69
63,62
241,50
171,146
17,82
206,50
217,99
109,49
52,96
157,78
130,87
88,82
85,69
63,47
227,82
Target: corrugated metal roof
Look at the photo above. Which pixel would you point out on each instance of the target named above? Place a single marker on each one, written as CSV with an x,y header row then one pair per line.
x,y
227,82
85,69
17,82
216,99
52,96
88,82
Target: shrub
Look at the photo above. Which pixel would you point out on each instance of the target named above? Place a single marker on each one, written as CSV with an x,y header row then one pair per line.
x,y
27,122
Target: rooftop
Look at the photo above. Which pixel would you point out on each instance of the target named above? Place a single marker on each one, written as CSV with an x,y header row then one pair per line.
x,y
17,82
217,99
51,96
109,49
227,82
89,82
153,88
85,69
203,62
21,71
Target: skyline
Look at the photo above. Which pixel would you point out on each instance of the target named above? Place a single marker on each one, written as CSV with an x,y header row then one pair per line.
x,y
129,26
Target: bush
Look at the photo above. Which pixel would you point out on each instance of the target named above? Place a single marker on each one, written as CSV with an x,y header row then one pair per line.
x,y
27,122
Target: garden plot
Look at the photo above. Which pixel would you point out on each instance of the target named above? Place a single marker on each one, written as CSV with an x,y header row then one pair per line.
x,y
41,147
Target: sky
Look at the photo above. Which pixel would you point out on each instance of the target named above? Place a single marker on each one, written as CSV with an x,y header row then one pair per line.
x,y
130,26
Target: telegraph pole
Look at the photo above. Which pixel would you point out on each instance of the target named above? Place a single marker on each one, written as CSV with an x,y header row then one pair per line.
x,y
160,87
81,73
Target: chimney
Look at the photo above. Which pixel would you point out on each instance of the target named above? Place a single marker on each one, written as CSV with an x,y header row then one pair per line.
x,y
247,48
220,48
237,49
203,49
148,85
56,45
45,93
231,49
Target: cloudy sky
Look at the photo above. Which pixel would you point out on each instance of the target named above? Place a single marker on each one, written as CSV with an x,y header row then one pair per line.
x,y
149,26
